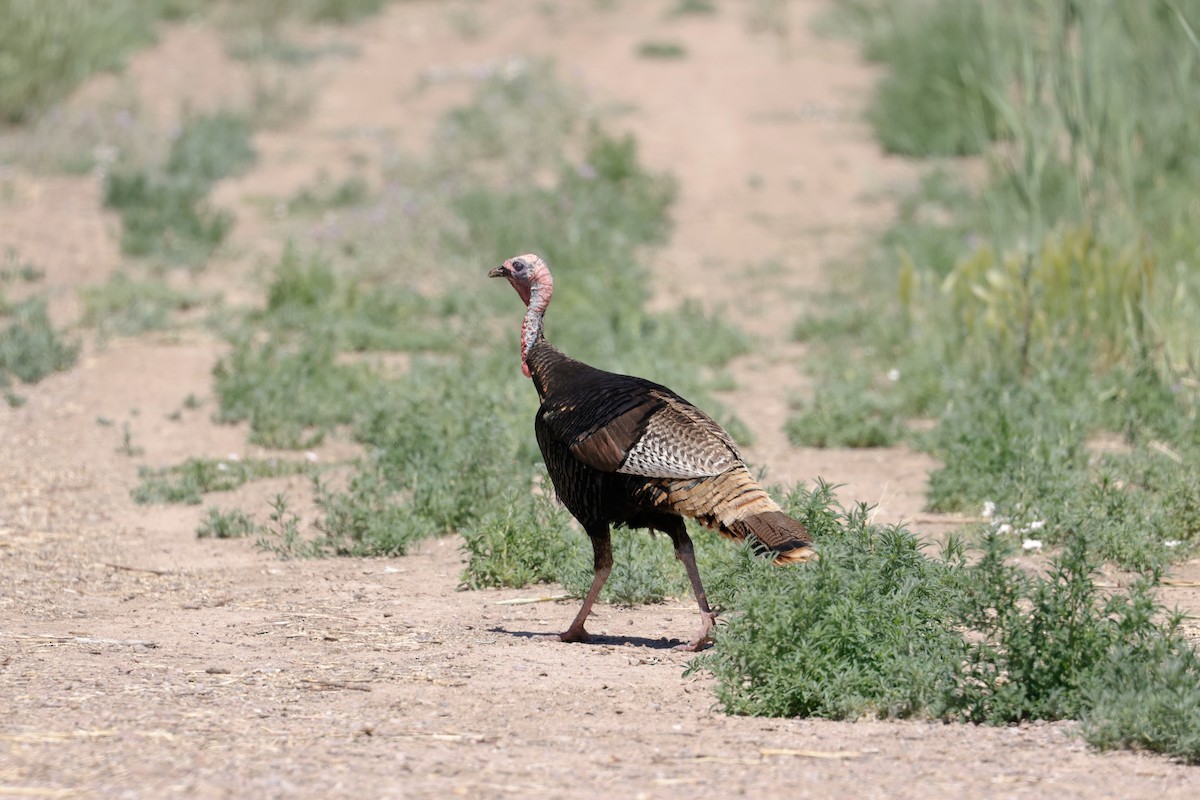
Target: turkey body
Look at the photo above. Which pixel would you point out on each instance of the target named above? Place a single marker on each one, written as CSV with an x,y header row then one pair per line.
x,y
622,450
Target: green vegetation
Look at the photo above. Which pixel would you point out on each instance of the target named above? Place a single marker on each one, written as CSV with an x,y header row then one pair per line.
x,y
505,549
231,524
165,210
1024,317
126,306
190,481
322,195
49,49
1056,301
30,347
661,50
693,7
865,631
874,629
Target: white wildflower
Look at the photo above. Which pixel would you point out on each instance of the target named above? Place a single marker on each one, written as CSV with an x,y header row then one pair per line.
x,y
222,467
310,455
893,374
1031,545
989,509
1037,524
1172,543
1005,528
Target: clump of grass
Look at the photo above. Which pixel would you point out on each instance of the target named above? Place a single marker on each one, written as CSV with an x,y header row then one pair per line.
x,y
685,8
30,346
190,481
165,211
661,50
230,524
16,268
939,95
486,130
847,411
210,147
324,195
50,50
126,306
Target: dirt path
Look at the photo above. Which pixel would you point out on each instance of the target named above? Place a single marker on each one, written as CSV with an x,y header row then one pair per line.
x,y
138,661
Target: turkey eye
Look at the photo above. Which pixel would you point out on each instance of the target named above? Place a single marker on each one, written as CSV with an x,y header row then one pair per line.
x,y
519,266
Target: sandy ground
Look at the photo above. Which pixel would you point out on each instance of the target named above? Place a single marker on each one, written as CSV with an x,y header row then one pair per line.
x,y
139,661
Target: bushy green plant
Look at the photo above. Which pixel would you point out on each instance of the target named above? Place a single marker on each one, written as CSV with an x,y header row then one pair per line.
x,y
521,540
1147,700
1056,646
30,346
865,631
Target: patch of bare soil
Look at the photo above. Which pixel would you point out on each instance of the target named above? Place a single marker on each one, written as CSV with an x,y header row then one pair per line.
x,y
139,661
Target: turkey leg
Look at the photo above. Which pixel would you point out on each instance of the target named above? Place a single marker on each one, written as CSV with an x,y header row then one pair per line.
x,y
602,551
687,554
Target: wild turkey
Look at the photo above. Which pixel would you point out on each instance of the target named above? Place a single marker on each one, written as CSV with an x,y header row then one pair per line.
x,y
626,451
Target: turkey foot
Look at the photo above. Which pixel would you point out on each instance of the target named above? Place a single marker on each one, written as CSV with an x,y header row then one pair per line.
x,y
708,620
569,635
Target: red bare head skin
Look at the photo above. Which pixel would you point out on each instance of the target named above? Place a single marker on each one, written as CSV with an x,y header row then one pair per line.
x,y
530,276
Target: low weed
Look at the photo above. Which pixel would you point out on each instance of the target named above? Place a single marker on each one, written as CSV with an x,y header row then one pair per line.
x,y
685,8
281,533
30,346
661,50
1047,641
518,542
126,306
190,481
326,195
229,524
847,411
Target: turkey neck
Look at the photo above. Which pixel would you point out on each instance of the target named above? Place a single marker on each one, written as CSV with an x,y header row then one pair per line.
x,y
533,325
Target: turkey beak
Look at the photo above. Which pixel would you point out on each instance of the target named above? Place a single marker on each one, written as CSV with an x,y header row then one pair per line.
x,y
499,272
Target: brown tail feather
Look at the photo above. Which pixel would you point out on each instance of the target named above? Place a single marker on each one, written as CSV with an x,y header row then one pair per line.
x,y
734,504
777,533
